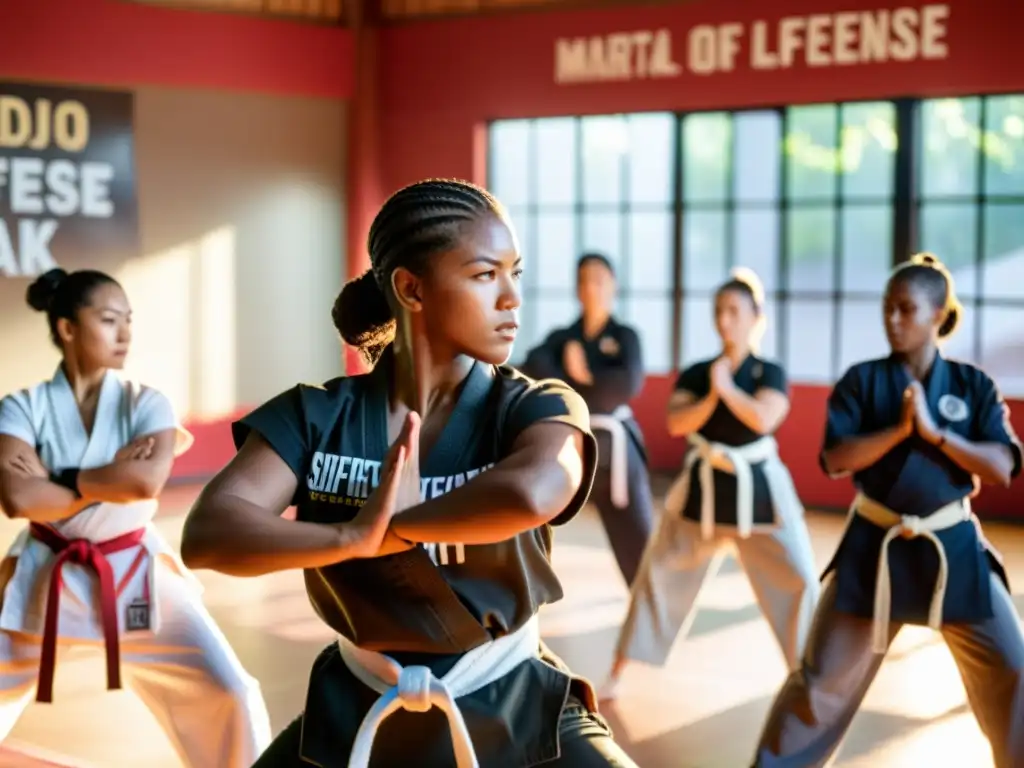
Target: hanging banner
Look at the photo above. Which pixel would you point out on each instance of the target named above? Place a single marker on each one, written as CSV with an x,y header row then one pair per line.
x,y
67,179
822,40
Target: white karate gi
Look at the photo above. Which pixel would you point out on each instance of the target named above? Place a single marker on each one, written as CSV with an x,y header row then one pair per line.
x,y
181,665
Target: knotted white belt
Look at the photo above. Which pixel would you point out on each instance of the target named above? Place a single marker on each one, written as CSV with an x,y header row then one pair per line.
x,y
726,458
618,463
912,526
417,689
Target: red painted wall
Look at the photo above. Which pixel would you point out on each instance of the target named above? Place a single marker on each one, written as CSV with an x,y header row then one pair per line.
x,y
121,44
436,84
440,82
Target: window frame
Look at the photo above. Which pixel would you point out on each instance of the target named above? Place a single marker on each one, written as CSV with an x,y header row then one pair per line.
x,y
905,201
533,291
783,296
979,200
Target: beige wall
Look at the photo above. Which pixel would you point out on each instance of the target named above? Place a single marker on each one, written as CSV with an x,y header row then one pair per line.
x,y
241,217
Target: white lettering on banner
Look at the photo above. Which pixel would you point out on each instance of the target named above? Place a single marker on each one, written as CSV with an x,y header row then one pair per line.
x,y
349,480
40,191
27,252
818,40
619,56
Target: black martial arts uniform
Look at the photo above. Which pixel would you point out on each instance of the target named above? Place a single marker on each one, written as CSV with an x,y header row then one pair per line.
x,y
615,362
429,606
918,490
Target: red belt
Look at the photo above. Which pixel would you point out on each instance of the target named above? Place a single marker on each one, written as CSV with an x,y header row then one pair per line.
x,y
92,554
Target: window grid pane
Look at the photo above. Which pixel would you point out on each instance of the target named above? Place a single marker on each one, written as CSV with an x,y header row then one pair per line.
x,y
831,244
707,146
867,151
810,339
606,183
1004,138
1002,349
600,184
812,152
948,147
810,248
757,160
970,194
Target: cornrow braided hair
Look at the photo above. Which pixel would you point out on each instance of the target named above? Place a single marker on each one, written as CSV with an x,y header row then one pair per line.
x,y
415,223
421,220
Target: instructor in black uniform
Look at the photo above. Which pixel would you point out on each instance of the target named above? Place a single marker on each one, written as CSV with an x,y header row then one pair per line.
x,y
600,358
425,491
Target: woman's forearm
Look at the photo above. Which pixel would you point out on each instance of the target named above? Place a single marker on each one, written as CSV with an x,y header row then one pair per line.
x,y
754,414
240,539
123,482
686,418
37,500
991,462
493,507
853,454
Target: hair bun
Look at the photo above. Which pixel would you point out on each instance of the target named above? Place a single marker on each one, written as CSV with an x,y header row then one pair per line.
x,y
926,260
40,294
360,312
749,278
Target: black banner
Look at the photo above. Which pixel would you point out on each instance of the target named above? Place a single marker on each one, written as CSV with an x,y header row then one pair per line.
x,y
67,179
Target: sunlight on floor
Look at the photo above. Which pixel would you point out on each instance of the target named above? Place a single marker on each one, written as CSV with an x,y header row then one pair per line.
x,y
707,703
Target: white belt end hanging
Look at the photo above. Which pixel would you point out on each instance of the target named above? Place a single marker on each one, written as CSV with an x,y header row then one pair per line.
x,y
619,459
910,526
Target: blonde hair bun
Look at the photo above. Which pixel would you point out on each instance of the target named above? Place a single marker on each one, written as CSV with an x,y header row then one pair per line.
x,y
749,278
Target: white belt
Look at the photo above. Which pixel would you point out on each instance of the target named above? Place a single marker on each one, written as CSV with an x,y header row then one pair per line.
x,y
417,689
619,460
727,458
898,525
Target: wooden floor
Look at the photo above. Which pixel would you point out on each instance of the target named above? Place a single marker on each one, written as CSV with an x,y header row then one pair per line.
x,y
703,710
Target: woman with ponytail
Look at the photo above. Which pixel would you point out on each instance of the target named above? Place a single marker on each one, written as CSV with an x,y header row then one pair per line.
x,y
734,493
917,431
426,491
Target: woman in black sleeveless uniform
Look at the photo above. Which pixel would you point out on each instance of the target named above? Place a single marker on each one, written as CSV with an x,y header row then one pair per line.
x,y
601,359
425,544
734,494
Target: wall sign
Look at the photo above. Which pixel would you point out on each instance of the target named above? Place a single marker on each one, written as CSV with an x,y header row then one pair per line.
x,y
818,40
67,179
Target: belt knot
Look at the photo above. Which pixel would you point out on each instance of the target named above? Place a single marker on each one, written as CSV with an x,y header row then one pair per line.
x,y
79,551
414,688
911,525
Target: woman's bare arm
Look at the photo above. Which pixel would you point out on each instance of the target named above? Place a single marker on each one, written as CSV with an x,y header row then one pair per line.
x,y
235,526
761,412
125,481
687,414
525,490
24,496
852,454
